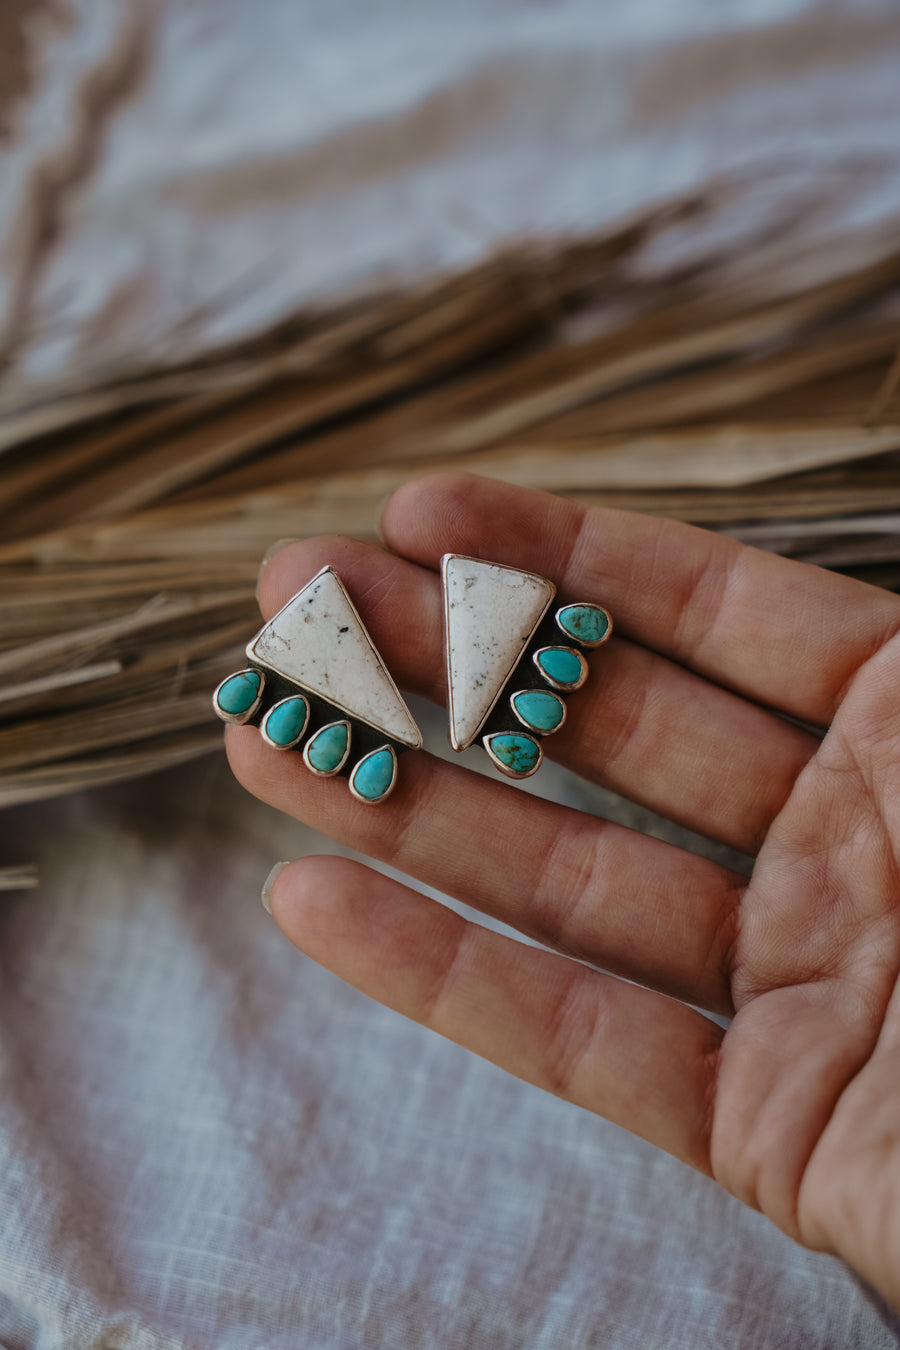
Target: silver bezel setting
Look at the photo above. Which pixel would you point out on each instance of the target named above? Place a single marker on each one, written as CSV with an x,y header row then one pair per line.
x,y
329,773
582,604
532,730
238,719
277,745
504,768
376,801
412,745
561,685
464,557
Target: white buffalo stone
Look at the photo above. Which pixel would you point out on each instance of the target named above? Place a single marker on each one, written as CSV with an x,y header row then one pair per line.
x,y
319,641
491,614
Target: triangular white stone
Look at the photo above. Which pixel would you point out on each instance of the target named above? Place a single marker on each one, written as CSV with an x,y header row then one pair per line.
x,y
490,613
319,641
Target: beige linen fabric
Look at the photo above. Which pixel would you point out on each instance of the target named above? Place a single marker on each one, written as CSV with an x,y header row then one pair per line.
x,y
207,1142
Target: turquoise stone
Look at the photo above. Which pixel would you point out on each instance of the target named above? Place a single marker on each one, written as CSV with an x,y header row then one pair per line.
x,y
539,710
238,693
561,665
587,624
326,751
516,752
286,722
374,775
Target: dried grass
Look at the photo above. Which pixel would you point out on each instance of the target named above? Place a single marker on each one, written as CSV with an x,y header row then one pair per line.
x,y
753,395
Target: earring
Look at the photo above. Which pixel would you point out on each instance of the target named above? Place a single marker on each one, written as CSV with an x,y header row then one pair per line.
x,y
511,658
315,669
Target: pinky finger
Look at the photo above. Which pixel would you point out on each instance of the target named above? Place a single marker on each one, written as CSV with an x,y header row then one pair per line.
x,y
636,1057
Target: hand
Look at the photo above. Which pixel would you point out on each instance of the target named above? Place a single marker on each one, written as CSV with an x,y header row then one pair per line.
x,y
796,1107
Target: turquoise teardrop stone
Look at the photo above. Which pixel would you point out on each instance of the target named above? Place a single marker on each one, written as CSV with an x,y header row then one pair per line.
x,y
374,776
516,751
539,709
588,624
560,664
326,750
239,692
286,723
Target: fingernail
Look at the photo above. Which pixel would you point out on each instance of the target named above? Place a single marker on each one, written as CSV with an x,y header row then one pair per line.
x,y
270,554
269,883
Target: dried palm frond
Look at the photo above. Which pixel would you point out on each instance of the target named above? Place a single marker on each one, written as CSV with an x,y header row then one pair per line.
x,y
758,395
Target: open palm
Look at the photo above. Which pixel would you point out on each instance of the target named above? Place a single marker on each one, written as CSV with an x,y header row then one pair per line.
x,y
796,1107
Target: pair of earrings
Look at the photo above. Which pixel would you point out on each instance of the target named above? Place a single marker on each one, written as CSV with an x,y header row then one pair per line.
x,y
315,677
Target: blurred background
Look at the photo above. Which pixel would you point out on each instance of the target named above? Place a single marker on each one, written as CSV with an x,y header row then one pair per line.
x,y
260,263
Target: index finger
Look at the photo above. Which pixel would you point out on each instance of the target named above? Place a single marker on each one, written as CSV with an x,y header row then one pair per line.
x,y
781,632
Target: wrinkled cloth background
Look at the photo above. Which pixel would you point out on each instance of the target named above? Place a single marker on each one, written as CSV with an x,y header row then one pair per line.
x,y
206,1141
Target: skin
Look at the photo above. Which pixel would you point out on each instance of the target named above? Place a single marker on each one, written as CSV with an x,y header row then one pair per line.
x,y
795,1108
